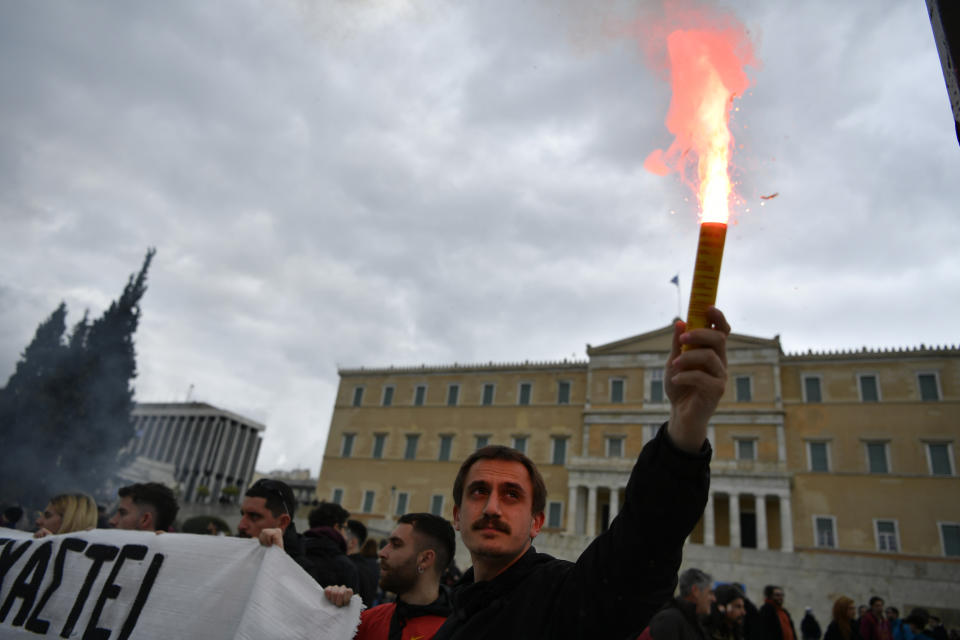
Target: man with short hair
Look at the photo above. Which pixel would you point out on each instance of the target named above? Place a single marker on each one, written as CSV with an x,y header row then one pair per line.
x,y
726,623
412,563
681,618
368,570
775,621
267,512
809,627
628,571
148,506
324,548
873,625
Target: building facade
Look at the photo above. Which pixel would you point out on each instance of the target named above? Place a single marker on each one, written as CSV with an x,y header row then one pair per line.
x,y
846,453
209,452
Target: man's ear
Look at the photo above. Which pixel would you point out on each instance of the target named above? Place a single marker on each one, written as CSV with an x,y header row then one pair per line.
x,y
426,559
147,520
537,524
456,517
284,521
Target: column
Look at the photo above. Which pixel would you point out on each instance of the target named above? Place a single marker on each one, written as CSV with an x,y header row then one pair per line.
x,y
572,510
734,520
591,511
709,539
614,505
761,508
786,524
781,443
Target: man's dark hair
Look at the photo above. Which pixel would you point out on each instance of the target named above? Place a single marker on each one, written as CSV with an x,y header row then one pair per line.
x,y
12,515
278,494
158,497
769,589
875,599
894,609
358,530
500,452
328,514
693,578
437,533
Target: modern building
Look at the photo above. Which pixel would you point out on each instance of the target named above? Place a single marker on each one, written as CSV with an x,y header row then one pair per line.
x,y
208,452
848,453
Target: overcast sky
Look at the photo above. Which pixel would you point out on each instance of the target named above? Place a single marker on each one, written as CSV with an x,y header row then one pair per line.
x,y
347,183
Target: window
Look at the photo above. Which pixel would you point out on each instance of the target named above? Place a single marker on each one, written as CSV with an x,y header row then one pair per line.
x,y
402,499
869,390
817,455
746,449
929,387
615,447
357,396
555,515
368,501
482,441
378,441
559,450
346,449
453,394
419,395
825,531
410,453
656,386
887,536
877,457
938,455
446,443
616,390
524,396
950,538
337,497
388,395
811,389
488,390
744,391
520,443
436,504
563,392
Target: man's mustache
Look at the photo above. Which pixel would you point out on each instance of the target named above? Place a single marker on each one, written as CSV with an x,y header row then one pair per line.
x,y
486,522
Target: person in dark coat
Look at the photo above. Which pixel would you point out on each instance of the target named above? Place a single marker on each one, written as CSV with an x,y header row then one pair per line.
x,y
368,568
682,618
775,621
325,549
628,572
728,613
809,627
751,621
843,625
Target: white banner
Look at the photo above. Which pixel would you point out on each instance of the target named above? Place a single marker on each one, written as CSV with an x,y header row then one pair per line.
x,y
113,585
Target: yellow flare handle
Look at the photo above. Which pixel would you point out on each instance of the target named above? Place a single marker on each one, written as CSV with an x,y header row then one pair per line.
x,y
706,274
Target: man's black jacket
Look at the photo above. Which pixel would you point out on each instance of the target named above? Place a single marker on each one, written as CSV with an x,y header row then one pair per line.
x,y
619,581
323,554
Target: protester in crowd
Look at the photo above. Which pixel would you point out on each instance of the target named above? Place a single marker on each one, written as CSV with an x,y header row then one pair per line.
x,y
368,569
417,552
775,621
896,624
726,618
324,548
843,624
629,570
67,513
267,513
809,627
936,629
682,617
148,506
917,621
752,629
11,517
861,610
873,624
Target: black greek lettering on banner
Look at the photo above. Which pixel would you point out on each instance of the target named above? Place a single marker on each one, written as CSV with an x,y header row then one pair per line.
x,y
34,623
27,584
99,553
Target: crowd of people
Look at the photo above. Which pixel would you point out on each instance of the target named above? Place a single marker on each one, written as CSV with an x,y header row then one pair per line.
x,y
620,587
702,612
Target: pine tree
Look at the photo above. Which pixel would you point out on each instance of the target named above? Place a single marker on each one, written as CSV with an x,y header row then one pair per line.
x,y
65,412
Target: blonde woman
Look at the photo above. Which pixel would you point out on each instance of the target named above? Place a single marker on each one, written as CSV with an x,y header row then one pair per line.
x,y
66,513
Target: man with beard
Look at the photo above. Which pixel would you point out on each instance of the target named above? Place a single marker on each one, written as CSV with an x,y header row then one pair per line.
x,y
411,565
267,513
726,620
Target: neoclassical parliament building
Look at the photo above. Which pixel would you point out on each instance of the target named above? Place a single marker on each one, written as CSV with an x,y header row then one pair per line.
x,y
850,453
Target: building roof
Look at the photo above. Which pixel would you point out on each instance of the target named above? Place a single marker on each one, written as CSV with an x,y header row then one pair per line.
x,y
193,409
